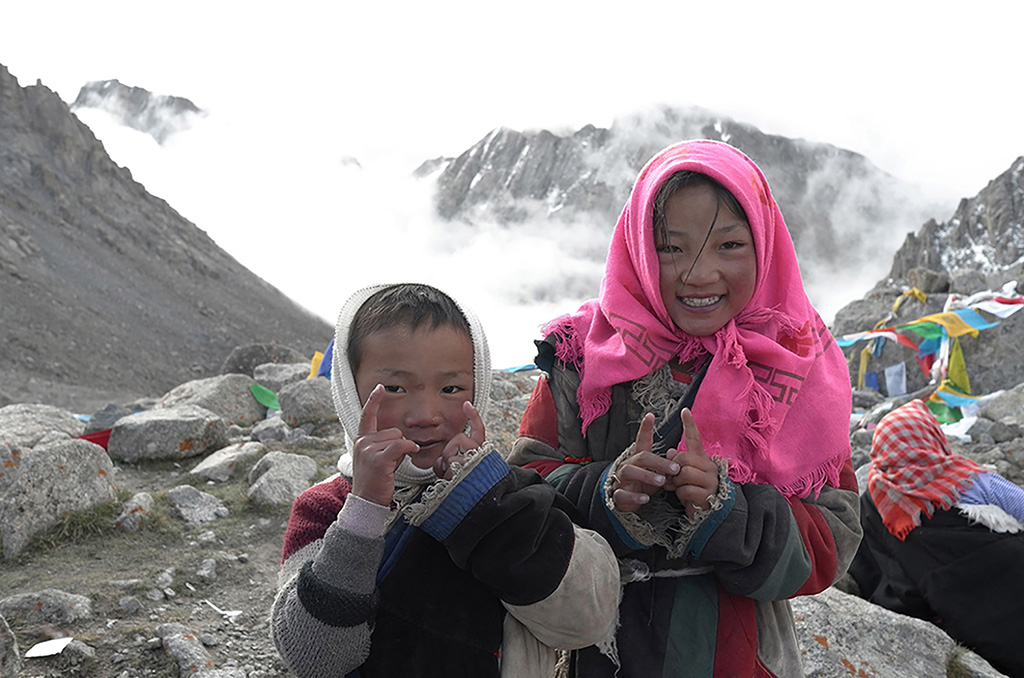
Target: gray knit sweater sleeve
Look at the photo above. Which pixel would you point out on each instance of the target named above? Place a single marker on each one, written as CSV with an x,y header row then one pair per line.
x,y
323,614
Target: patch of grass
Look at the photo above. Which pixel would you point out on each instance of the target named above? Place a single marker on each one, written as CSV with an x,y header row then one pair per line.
x,y
954,663
97,523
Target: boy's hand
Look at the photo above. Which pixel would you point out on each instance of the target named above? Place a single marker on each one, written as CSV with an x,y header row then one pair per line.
x,y
377,454
642,474
697,481
461,443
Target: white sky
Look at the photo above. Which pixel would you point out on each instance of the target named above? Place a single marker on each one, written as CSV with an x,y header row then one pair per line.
x,y
926,90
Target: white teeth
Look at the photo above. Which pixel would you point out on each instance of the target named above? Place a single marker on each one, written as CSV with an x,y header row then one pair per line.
x,y
701,301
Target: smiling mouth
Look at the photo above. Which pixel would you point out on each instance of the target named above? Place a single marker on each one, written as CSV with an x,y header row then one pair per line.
x,y
700,302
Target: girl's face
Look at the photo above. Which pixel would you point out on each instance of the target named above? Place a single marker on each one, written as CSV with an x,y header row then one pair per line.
x,y
706,279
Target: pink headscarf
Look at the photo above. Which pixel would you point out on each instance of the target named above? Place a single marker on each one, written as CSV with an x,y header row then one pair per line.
x,y
775,400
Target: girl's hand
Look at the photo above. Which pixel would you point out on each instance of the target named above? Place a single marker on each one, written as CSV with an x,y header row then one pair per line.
x,y
643,474
696,483
461,443
377,454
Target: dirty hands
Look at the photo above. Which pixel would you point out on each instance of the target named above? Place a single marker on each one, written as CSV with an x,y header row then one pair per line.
x,y
456,448
688,472
378,454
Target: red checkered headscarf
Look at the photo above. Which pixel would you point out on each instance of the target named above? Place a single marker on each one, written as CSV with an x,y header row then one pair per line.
x,y
913,469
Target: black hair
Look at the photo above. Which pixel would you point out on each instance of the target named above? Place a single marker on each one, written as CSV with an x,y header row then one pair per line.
x,y
684,179
677,182
409,305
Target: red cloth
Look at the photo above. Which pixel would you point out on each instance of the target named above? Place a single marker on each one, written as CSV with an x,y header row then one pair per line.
x,y
101,438
913,470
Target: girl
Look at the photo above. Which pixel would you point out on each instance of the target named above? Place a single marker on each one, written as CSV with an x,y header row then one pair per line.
x,y
720,514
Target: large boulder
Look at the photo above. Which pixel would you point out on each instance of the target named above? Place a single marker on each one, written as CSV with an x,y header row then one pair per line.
x,y
226,462
53,480
24,424
167,433
307,402
842,635
280,477
227,395
10,657
276,376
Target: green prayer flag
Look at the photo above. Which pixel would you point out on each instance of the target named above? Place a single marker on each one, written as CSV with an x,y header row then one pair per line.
x,y
264,396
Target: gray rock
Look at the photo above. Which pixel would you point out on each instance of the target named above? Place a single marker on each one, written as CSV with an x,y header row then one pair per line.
x,y
1007,407
280,477
276,376
226,462
49,606
307,401
928,280
227,395
842,635
10,463
135,512
245,359
53,481
22,425
207,570
195,507
185,649
130,605
866,398
74,657
105,418
270,429
967,281
10,657
167,433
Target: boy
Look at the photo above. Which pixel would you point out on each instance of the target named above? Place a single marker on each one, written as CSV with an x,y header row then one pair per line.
x,y
428,555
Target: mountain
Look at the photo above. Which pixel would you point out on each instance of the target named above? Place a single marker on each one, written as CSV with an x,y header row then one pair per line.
x,y
981,247
158,115
841,210
106,292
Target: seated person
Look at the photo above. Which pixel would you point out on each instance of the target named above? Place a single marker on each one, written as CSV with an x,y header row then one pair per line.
x,y
943,538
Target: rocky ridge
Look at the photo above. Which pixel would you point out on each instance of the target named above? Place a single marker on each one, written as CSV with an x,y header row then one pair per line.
x,y
981,247
158,115
841,210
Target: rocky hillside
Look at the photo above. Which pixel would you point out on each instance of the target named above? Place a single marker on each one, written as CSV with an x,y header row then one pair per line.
x,y
841,210
107,292
980,248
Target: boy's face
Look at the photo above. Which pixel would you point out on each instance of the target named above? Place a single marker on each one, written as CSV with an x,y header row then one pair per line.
x,y
427,374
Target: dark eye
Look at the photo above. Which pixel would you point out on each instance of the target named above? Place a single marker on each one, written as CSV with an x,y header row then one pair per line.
x,y
449,390
733,245
394,389
667,249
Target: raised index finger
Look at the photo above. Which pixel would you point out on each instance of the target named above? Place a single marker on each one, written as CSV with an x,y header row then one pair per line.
x,y
368,421
476,424
645,436
690,433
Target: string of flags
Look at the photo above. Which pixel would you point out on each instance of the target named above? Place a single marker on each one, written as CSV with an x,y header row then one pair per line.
x,y
935,340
